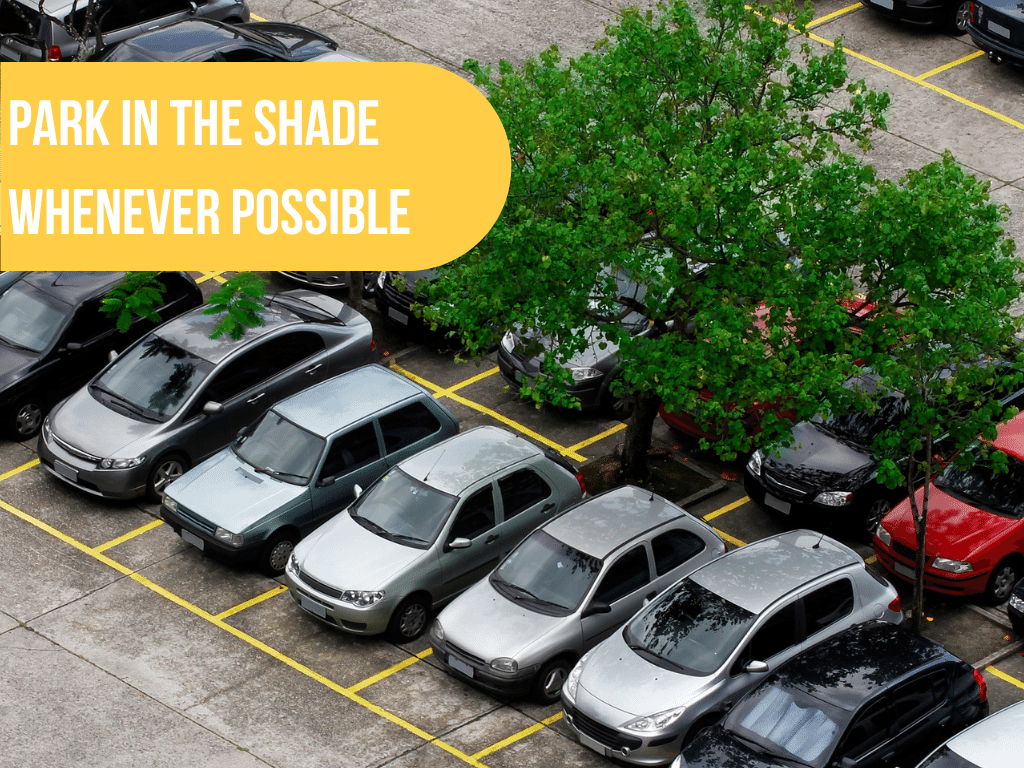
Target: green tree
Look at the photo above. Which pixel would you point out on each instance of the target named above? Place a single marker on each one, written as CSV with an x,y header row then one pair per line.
x,y
138,293
674,153
239,301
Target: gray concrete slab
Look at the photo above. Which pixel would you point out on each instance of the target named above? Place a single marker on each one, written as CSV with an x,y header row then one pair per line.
x,y
478,734
1003,692
13,455
8,623
355,35
293,11
546,747
148,548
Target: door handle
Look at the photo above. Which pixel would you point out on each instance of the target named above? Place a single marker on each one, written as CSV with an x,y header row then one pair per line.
x,y
492,538
311,371
252,400
547,508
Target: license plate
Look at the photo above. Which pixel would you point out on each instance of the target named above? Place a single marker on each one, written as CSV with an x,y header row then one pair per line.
x,y
192,539
460,666
778,504
597,746
312,606
903,570
64,470
999,29
887,4
518,376
398,317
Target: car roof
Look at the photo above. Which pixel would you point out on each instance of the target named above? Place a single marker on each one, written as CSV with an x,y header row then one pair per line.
x,y
346,399
850,667
458,462
1011,437
755,576
73,287
600,525
191,331
986,744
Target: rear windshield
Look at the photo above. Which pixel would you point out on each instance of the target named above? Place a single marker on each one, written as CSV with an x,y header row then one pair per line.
x,y
30,319
17,19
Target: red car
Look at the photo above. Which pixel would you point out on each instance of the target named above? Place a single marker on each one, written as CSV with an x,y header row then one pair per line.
x,y
975,543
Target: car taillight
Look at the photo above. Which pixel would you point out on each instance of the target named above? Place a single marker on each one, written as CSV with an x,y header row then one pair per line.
x,y
373,344
582,482
974,16
895,605
53,53
982,686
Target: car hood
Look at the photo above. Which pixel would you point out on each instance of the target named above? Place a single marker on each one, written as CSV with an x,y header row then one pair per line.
x,y
343,554
599,347
956,529
623,681
14,363
471,620
227,492
87,424
817,460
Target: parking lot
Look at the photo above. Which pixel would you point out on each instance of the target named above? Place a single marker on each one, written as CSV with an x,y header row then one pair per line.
x,y
122,645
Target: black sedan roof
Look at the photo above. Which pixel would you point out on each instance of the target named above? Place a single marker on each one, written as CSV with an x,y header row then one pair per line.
x,y
72,287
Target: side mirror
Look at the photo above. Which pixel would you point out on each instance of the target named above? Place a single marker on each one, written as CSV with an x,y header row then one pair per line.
x,y
193,9
459,543
594,609
357,489
73,346
325,482
756,668
212,409
111,355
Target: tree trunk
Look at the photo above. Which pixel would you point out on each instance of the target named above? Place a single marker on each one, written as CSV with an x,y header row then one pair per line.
x,y
920,515
638,439
355,289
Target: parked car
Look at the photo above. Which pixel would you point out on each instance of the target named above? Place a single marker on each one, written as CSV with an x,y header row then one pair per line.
x,y
975,542
53,337
997,27
692,423
177,396
679,664
333,280
874,696
30,32
951,15
569,585
300,462
990,743
1015,608
427,530
208,40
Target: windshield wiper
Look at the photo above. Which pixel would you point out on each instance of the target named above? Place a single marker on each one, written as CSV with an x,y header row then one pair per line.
x,y
128,405
369,524
16,345
524,594
277,472
405,537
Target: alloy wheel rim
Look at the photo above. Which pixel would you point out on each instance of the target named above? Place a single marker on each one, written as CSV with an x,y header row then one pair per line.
x,y
167,474
28,418
414,618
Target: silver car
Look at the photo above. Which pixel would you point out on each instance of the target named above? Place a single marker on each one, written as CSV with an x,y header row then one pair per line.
x,y
427,530
568,586
299,464
177,396
682,662
994,742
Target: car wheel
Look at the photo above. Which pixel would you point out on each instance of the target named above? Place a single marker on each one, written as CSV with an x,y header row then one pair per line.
x,y
274,556
956,24
877,509
1001,581
166,470
547,685
409,619
618,407
25,419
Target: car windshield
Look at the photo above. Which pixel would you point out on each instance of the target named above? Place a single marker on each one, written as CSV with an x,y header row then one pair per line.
x,y
689,628
947,758
30,319
788,723
998,492
279,448
545,575
861,427
403,509
152,379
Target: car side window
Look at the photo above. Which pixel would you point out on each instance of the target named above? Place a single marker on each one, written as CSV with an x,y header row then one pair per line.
x,y
110,15
88,324
408,425
773,637
522,490
673,548
868,730
281,353
247,370
475,517
916,698
626,575
351,450
827,604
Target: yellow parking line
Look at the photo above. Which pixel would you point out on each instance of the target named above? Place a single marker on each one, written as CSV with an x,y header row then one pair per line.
x,y
129,535
18,470
254,17
830,16
517,736
597,438
246,638
727,508
472,380
250,603
944,67
731,539
390,670
870,560
211,276
1003,676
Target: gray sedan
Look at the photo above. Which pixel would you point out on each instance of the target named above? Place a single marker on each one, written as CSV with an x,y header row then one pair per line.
x,y
568,586
427,530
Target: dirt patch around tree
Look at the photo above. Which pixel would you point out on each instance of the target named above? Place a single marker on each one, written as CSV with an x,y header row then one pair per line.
x,y
670,477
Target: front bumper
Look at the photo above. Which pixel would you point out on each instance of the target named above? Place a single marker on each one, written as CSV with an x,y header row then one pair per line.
x,y
316,600
477,672
514,371
83,472
656,749
902,564
200,534
781,501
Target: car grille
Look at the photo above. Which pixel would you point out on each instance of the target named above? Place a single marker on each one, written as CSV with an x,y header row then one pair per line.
x,y
316,278
195,521
602,733
75,451
319,586
904,551
474,660
396,297
784,484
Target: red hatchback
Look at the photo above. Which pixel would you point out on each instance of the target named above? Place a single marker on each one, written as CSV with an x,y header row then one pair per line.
x,y
975,541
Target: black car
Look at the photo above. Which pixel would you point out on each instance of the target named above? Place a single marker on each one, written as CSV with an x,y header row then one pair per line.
x,y
951,15
206,40
1015,608
875,695
997,27
53,337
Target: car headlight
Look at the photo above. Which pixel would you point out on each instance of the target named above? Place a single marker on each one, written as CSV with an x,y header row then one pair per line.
x,y
505,664
573,681
1017,603
171,504
293,563
953,566
437,631
883,535
47,434
229,538
122,463
656,722
362,599
834,498
381,277
508,341
584,374
754,463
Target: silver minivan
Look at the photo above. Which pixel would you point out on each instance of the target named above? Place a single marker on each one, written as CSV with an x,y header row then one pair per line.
x,y
568,586
300,463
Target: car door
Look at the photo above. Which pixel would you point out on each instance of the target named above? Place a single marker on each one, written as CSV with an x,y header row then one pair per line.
x,y
920,709
674,551
474,519
774,641
867,739
824,606
622,588
84,347
527,501
353,457
408,430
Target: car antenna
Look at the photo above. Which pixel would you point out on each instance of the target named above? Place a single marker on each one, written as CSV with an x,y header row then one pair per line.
x,y
439,457
818,542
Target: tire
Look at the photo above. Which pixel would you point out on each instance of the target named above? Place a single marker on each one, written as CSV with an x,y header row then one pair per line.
x,y
877,509
25,419
409,620
275,553
613,406
1001,581
547,685
956,22
166,470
